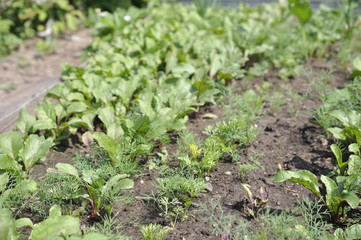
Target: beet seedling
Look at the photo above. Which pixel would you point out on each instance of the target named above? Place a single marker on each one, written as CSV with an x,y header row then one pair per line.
x,y
338,193
255,204
14,150
98,191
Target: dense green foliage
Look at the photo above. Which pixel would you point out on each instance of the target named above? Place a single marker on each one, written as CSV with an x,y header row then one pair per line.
x,y
147,71
21,19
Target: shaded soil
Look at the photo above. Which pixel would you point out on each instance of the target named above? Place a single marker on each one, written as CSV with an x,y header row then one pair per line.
x,y
288,139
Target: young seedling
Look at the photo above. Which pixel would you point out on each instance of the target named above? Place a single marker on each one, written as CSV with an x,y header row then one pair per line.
x,y
338,194
154,232
98,191
255,205
14,150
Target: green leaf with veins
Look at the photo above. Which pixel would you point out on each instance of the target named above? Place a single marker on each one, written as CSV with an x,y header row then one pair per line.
x,y
67,169
55,225
301,9
354,165
107,116
303,177
35,148
7,225
11,143
76,107
8,163
45,110
25,122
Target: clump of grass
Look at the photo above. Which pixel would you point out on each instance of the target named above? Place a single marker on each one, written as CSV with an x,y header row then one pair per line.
x,y
98,160
154,232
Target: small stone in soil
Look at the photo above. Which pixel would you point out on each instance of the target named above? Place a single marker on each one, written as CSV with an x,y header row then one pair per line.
x,y
209,187
228,173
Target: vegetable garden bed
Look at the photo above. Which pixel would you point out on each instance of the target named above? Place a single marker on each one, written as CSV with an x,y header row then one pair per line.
x,y
183,123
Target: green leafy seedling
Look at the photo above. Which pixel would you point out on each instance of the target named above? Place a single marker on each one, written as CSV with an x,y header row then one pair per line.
x,y
351,120
55,225
154,232
98,191
301,9
255,204
337,196
9,226
15,150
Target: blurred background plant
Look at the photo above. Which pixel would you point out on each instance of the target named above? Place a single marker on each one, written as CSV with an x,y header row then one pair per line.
x,y
21,19
203,5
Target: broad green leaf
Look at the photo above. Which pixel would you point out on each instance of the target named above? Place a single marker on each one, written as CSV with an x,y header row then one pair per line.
x,y
55,211
89,176
7,225
107,116
88,119
117,183
4,179
106,142
141,124
354,165
11,143
354,148
25,122
67,169
95,236
338,154
337,133
44,124
301,9
215,65
115,131
22,222
76,107
351,198
125,184
55,226
59,112
35,148
146,108
353,232
7,163
331,186
349,118
303,177
75,96
356,63
45,110
182,68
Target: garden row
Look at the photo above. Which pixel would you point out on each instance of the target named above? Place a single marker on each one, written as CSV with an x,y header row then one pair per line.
x,y
22,19
147,72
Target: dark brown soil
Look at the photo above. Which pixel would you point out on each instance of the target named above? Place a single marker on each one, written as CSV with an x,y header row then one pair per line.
x,y
288,139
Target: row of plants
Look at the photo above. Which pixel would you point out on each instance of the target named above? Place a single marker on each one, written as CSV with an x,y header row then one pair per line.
x,y
146,71
22,19
340,116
